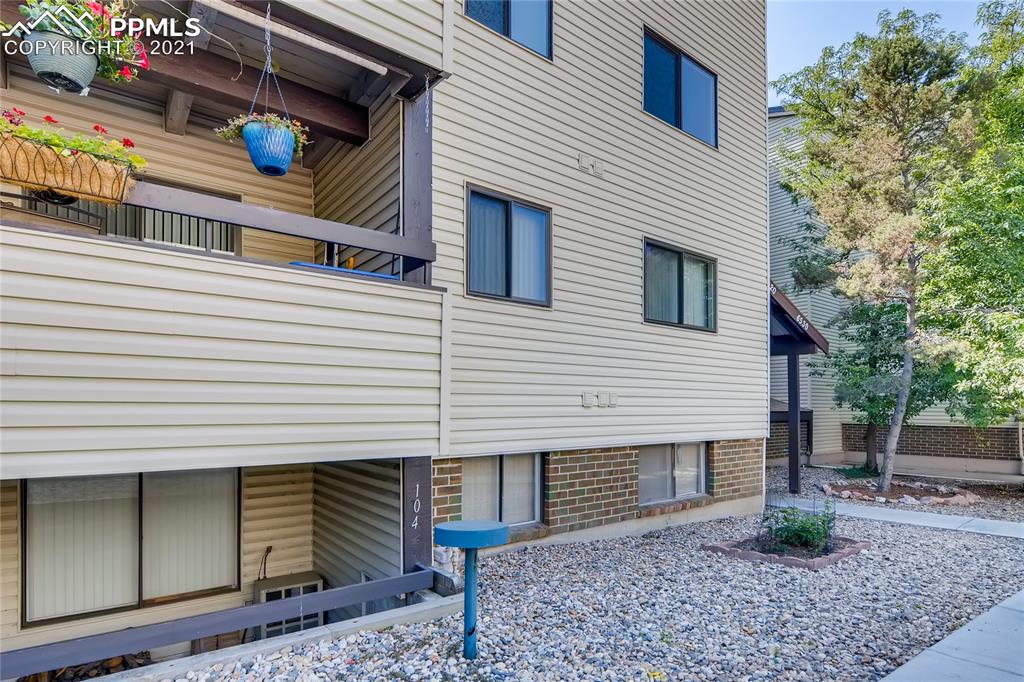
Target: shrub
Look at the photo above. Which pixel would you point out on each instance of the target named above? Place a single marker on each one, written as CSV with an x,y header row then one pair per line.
x,y
783,527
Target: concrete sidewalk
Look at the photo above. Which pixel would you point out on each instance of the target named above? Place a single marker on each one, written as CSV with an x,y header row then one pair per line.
x,y
970,524
988,649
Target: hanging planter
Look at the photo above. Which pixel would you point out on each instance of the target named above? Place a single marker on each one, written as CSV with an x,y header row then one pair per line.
x,y
271,139
48,161
71,43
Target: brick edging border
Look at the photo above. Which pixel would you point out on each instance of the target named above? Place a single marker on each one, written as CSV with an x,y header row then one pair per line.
x,y
729,549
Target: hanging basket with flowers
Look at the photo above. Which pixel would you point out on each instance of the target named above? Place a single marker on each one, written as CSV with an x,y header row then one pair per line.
x,y
271,139
95,168
72,41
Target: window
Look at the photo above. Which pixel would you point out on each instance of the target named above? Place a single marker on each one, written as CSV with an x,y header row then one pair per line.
x,y
528,22
86,538
679,287
509,249
680,91
669,472
505,488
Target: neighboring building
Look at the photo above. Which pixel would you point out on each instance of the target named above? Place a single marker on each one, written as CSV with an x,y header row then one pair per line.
x,y
535,292
932,443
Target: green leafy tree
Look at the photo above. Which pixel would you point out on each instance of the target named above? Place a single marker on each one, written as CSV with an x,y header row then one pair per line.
x,y
884,124
972,290
867,366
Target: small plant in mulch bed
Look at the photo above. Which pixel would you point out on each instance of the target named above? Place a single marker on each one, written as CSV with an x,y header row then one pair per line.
x,y
796,532
858,472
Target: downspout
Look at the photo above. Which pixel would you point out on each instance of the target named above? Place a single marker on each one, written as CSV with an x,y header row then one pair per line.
x,y
1020,441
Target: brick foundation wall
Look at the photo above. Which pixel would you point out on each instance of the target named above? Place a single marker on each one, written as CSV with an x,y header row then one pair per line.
x,y
446,480
735,469
586,488
778,439
941,441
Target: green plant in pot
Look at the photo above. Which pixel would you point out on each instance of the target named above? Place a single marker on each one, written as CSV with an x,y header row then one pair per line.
x,y
71,42
271,140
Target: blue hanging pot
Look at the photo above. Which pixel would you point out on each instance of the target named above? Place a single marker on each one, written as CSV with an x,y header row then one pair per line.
x,y
270,148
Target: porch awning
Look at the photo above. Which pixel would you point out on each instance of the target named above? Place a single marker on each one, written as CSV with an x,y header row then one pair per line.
x,y
791,331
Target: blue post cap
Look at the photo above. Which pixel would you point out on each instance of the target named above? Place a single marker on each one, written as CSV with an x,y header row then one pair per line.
x,y
471,534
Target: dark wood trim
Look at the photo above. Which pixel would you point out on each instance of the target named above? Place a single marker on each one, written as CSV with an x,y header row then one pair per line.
x,y
417,181
29,660
785,347
779,299
176,200
793,405
476,189
417,521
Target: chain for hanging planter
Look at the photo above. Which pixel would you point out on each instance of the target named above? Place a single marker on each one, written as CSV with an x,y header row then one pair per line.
x,y
271,139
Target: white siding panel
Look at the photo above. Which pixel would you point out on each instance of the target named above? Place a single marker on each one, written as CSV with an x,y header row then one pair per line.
x,y
511,121
121,358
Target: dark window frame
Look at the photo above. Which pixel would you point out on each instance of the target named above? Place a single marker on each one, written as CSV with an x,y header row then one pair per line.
x,y
140,603
538,488
510,200
507,34
713,329
676,496
680,54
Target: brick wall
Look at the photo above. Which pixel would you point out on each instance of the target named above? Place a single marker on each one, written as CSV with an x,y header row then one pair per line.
x,y
778,439
586,488
941,441
735,469
447,490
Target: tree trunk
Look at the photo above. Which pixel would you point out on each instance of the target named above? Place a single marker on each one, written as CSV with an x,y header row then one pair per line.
x,y
903,393
871,447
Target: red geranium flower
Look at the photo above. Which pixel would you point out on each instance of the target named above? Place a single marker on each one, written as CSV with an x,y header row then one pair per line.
x,y
97,9
49,119
143,55
127,142
18,111
126,71
100,129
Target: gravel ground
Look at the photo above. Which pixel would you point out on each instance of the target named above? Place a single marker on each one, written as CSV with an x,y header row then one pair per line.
x,y
659,607
1001,501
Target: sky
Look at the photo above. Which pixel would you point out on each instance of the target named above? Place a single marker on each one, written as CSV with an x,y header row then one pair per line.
x,y
799,29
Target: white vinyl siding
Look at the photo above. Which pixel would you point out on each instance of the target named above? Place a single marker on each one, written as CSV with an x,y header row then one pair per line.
x,y
81,540
122,358
513,123
189,532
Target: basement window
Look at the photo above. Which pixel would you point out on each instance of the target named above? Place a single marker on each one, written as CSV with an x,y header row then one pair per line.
x,y
97,544
504,488
671,471
528,22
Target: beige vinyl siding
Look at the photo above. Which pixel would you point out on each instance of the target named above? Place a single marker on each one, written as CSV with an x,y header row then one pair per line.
x,y
198,159
357,522
276,511
362,185
119,358
512,121
409,27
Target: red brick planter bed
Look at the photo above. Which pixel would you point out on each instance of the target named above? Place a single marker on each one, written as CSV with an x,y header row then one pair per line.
x,y
734,548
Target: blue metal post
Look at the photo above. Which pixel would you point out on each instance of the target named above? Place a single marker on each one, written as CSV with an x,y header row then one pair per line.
x,y
469,622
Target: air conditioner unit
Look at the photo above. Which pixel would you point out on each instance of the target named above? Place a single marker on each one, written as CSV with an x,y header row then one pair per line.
x,y
282,587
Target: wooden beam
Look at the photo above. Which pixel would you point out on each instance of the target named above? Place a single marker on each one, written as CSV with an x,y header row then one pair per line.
x,y
182,201
417,523
417,174
179,103
793,405
36,659
204,74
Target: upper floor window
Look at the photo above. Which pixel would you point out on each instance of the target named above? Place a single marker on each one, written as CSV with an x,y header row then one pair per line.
x,y
679,287
509,249
680,91
528,22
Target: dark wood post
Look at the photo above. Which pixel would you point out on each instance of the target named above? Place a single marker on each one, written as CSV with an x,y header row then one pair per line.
x,y
793,384
417,524
417,177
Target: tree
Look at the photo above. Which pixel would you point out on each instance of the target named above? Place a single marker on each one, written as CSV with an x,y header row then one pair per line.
x,y
867,366
972,287
883,125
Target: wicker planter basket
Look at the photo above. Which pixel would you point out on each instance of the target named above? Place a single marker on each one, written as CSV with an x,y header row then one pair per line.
x,y
82,175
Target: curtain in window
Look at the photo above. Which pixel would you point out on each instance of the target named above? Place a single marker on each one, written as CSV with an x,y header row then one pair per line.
x,y
480,488
697,303
661,284
189,531
488,220
529,253
655,473
519,488
81,540
689,465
